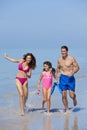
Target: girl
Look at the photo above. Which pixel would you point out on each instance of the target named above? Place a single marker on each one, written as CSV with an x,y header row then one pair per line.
x,y
25,67
46,77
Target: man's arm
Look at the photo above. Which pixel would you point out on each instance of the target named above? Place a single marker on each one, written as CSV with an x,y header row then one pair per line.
x,y
76,66
58,69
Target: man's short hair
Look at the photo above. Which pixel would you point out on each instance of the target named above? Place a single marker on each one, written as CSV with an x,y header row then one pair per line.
x,y
64,47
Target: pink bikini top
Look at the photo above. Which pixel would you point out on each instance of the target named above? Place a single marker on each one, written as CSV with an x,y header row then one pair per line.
x,y
20,67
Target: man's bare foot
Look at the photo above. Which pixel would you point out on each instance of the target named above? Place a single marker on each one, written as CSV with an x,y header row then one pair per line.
x,y
74,102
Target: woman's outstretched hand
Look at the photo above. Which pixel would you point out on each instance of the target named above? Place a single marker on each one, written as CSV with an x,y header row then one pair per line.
x,y
5,55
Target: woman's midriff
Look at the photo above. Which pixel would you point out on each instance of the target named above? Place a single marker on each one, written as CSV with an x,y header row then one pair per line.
x,y
21,74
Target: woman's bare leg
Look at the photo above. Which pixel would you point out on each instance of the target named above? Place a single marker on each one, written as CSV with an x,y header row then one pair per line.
x,y
21,96
25,89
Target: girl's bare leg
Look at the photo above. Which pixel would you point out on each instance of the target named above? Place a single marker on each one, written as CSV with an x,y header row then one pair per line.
x,y
49,99
44,96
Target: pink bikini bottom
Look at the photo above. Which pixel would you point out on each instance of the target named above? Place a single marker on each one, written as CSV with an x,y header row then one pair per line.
x,y
22,80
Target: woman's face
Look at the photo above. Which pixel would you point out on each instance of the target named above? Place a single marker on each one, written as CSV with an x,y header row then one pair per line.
x,y
28,59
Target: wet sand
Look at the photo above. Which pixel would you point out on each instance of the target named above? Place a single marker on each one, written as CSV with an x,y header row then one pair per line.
x,y
36,119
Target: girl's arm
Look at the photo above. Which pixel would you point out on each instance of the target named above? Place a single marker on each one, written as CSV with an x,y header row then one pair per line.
x,y
11,59
39,80
55,77
53,71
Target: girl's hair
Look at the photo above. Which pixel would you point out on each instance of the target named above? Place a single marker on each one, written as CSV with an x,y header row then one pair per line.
x,y
50,66
48,63
32,64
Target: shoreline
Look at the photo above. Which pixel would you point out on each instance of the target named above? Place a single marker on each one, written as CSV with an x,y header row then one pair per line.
x,y
36,118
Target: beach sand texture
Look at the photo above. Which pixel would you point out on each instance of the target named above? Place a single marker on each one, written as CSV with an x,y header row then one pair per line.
x,y
36,118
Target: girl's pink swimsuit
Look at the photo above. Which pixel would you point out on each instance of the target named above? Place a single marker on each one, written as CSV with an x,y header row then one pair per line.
x,y
20,67
47,80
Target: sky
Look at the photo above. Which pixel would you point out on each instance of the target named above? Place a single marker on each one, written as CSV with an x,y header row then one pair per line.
x,y
43,23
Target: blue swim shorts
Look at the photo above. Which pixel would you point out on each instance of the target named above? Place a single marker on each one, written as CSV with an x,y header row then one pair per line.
x,y
67,82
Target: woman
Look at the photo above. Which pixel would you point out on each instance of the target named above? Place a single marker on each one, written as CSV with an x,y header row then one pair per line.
x,y
25,67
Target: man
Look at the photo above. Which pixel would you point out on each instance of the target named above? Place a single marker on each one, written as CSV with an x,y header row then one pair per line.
x,y
67,67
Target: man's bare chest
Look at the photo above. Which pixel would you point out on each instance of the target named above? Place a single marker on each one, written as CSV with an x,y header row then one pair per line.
x,y
65,63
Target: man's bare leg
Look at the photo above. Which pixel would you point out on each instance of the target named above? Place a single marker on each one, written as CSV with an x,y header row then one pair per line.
x,y
73,96
65,101
74,100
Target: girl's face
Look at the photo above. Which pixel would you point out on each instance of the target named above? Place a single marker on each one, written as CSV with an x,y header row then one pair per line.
x,y
46,67
28,59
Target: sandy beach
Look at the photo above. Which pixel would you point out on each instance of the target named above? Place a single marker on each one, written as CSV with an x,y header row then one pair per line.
x,y
42,28
36,118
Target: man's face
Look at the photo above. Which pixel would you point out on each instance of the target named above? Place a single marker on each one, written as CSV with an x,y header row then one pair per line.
x,y
64,52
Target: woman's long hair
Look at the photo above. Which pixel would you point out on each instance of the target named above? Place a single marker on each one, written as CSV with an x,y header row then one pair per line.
x,y
32,64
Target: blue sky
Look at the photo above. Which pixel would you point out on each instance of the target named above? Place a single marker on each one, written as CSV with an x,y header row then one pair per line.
x,y
43,23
